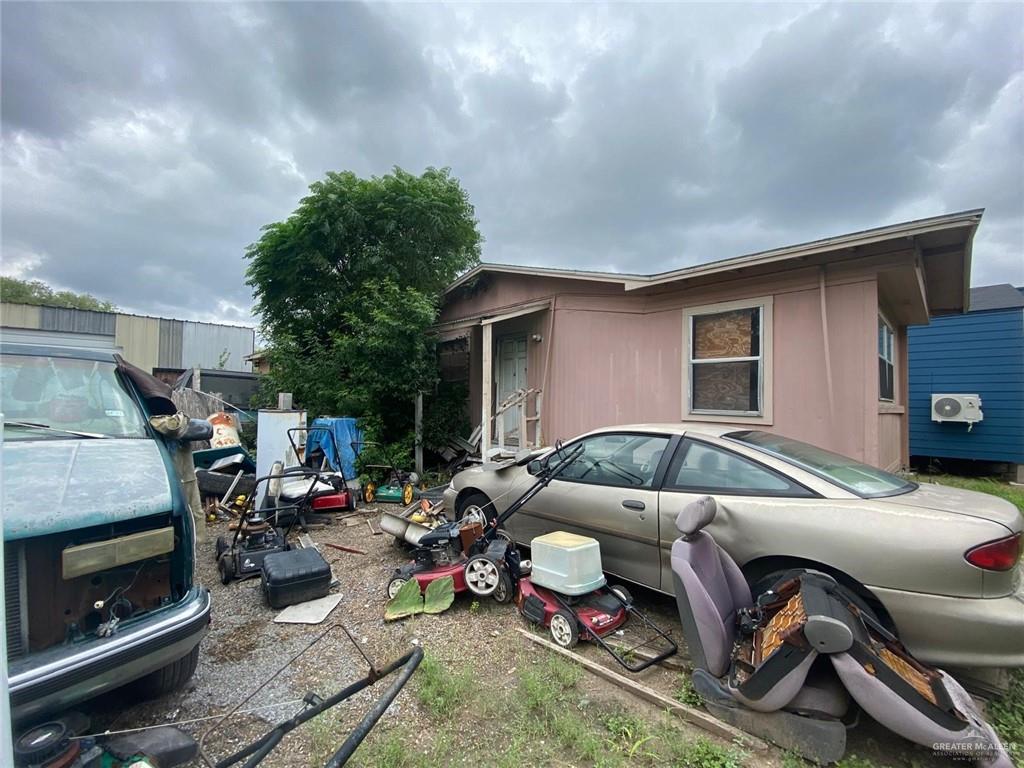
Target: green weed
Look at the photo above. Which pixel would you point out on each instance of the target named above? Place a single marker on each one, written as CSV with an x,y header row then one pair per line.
x,y
439,689
686,693
1007,716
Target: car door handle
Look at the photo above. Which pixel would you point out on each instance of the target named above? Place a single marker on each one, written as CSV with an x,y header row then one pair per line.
x,y
634,504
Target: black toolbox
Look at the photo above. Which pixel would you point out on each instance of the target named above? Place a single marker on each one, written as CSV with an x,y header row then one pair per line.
x,y
295,576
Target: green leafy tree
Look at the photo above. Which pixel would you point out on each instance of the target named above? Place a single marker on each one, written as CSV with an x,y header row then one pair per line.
x,y
17,291
347,288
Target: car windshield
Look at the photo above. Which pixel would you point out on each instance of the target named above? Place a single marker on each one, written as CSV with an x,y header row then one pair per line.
x,y
861,479
59,397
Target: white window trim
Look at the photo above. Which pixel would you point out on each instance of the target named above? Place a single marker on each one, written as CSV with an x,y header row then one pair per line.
x,y
895,377
765,372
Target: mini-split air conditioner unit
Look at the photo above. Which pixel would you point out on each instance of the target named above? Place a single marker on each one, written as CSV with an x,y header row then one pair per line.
x,y
965,409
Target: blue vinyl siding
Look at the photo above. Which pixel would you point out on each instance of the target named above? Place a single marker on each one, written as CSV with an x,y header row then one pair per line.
x,y
977,353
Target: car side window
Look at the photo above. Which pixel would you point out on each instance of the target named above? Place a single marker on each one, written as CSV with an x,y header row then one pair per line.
x,y
617,460
707,468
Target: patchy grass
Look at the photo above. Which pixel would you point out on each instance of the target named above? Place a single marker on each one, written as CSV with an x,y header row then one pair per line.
x,y
686,693
1007,716
394,749
1012,493
441,690
322,734
543,716
855,761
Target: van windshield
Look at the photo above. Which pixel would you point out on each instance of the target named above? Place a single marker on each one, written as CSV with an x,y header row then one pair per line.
x,y
54,397
861,479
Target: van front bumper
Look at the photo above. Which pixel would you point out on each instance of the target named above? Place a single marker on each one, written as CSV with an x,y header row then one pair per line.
x,y
64,675
959,631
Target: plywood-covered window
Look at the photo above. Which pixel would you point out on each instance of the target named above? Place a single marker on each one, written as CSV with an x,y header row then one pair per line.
x,y
727,349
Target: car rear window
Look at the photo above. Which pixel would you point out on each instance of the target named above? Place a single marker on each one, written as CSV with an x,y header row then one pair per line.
x,y
862,479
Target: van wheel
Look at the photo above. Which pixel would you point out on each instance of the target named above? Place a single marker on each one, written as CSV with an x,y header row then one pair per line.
x,y
170,678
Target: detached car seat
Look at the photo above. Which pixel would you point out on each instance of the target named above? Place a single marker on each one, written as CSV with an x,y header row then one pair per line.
x,y
773,692
921,704
767,666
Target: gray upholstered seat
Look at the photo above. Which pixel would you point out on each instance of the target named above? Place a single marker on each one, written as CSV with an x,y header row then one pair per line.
x,y
710,591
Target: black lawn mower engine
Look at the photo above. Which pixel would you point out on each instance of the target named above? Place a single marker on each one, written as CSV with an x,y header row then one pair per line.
x,y
440,547
257,539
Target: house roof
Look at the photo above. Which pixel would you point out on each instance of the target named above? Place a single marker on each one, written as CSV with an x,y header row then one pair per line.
x,y
1002,296
935,236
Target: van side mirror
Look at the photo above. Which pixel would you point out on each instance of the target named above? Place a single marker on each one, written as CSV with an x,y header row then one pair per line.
x,y
535,467
197,429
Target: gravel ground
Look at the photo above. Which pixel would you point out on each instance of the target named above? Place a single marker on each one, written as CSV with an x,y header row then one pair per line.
x,y
245,647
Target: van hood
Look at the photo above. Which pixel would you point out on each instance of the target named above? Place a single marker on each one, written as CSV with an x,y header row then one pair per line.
x,y
957,500
60,485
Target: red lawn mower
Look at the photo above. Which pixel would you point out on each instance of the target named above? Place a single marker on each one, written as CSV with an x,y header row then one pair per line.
x,y
481,559
563,589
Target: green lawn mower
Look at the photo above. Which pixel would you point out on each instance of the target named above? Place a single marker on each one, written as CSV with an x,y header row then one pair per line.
x,y
388,483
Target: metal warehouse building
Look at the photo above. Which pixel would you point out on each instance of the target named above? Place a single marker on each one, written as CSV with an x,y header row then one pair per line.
x,y
148,342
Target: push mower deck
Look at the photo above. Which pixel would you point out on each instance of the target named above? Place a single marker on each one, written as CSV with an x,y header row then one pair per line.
x,y
593,617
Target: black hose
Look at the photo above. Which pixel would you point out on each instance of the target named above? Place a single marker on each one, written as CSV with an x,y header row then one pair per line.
x,y
260,748
370,719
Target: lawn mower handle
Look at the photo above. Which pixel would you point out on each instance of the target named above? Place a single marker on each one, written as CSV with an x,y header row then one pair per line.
x,y
547,475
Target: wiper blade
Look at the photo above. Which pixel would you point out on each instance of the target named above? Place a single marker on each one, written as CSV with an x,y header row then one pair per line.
x,y
37,425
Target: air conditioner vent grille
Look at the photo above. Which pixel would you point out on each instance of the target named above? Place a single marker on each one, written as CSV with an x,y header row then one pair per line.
x,y
947,407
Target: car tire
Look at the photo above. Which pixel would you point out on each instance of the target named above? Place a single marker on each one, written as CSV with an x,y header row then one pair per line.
x,y
766,582
217,483
478,500
168,679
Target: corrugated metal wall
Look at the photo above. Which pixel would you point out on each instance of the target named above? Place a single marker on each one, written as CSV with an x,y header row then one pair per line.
x,y
978,353
206,346
169,353
148,342
76,321
139,337
19,316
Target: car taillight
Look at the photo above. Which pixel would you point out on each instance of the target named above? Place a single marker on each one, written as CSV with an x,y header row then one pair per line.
x,y
998,555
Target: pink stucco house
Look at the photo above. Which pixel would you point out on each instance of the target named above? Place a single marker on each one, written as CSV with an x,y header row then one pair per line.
x,y
807,340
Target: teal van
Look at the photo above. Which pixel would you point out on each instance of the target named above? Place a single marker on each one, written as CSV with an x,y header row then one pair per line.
x,y
99,543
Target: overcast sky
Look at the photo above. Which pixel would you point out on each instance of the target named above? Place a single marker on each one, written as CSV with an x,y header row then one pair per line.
x,y
144,145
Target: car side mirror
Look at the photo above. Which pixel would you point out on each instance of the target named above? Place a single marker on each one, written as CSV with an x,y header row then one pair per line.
x,y
535,467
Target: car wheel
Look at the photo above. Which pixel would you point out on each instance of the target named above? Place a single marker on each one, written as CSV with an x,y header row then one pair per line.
x,y
170,678
766,582
476,505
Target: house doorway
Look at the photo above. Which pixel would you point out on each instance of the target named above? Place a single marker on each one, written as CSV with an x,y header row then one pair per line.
x,y
511,376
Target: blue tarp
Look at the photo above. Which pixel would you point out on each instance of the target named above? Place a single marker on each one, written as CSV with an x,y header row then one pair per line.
x,y
344,432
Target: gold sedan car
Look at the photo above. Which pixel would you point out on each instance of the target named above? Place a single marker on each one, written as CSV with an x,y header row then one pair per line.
x,y
938,564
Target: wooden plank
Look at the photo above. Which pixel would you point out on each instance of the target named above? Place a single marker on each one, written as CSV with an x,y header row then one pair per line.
x,y
693,716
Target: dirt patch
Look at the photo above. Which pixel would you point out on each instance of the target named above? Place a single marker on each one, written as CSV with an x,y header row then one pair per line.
x,y
474,638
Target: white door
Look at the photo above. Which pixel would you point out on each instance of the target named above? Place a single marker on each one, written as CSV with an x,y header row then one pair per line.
x,y
511,376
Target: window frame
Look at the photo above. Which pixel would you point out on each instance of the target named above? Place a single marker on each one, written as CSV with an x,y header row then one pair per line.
x,y
891,360
672,441
796,490
764,370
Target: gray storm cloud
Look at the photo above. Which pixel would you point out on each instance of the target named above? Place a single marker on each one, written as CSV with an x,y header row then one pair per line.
x,y
145,145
